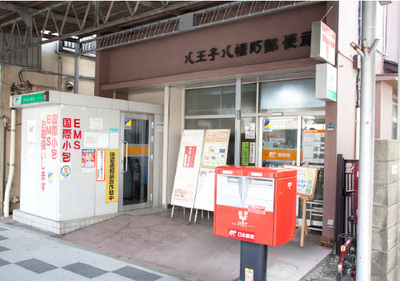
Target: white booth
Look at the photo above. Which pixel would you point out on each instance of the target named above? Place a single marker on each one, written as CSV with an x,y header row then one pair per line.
x,y
85,159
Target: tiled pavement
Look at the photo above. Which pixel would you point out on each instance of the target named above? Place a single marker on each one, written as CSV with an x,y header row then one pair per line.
x,y
28,255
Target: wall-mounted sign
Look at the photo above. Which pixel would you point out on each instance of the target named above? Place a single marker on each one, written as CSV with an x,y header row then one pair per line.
x,y
112,176
29,99
323,43
325,82
100,165
257,47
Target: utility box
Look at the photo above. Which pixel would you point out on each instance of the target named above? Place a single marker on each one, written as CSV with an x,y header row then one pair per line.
x,y
255,204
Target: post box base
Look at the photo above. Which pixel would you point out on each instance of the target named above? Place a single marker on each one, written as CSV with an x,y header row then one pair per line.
x,y
253,261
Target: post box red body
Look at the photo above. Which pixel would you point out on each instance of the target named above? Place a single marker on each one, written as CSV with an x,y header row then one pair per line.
x,y
255,204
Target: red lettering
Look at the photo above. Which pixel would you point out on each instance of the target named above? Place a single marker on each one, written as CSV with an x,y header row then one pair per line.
x,y
48,119
54,153
77,144
77,123
67,122
48,141
77,134
66,145
66,156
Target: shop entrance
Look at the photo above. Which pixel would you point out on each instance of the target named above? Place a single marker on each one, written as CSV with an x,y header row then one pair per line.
x,y
292,139
280,141
137,155
298,140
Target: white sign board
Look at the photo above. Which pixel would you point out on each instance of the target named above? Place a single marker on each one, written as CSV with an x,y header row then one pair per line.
x,y
187,169
325,82
323,43
215,151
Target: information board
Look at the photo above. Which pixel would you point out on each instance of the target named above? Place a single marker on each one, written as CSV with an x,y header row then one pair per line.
x,y
187,170
306,180
215,151
313,146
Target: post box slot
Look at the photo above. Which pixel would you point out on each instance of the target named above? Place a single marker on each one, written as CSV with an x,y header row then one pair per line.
x,y
229,193
235,180
260,194
261,182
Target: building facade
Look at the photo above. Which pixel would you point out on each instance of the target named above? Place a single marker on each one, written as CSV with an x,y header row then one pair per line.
x,y
253,75
264,61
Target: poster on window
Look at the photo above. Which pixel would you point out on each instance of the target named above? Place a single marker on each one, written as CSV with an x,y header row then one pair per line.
x,y
314,146
187,169
215,152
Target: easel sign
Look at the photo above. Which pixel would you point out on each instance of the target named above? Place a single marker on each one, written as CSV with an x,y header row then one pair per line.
x,y
306,180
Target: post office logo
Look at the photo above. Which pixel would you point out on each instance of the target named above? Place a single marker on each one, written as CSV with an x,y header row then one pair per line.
x,y
243,218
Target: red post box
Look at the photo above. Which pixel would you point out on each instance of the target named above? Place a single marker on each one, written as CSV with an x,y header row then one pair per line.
x,y
255,204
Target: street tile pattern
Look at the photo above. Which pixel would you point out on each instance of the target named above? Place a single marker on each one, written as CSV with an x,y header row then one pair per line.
x,y
27,255
36,266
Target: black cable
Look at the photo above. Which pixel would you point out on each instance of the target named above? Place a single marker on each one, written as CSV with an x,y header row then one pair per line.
x,y
49,73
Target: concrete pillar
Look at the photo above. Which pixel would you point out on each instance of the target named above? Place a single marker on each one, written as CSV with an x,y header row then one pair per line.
x,y
385,255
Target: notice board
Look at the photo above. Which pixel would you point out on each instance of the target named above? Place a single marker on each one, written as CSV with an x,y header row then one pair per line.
x,y
215,151
306,180
187,169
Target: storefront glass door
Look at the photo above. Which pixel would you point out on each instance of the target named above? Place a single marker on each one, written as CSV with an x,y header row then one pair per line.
x,y
136,161
280,140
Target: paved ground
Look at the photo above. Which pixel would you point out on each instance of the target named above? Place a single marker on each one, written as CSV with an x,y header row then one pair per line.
x,y
27,255
191,248
326,271
147,247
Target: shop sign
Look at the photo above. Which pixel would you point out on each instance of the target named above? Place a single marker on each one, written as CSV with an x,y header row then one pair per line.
x,y
71,137
323,43
276,154
256,47
30,99
325,82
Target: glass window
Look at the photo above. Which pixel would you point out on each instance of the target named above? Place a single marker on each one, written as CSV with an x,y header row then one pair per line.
x,y
248,141
249,98
210,101
289,94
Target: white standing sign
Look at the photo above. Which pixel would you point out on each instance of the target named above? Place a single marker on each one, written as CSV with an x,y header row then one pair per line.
x,y
215,152
187,169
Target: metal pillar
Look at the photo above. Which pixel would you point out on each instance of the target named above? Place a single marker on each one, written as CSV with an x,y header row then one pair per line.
x,y
369,43
253,261
77,58
238,104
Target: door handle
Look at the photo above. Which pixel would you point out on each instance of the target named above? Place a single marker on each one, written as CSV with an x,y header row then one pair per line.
x,y
126,144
